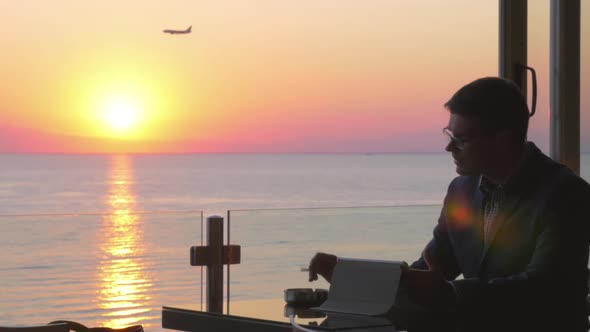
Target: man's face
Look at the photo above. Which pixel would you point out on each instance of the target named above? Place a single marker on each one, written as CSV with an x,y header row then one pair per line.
x,y
470,148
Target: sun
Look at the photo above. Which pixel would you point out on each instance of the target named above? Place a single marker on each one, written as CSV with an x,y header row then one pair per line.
x,y
122,115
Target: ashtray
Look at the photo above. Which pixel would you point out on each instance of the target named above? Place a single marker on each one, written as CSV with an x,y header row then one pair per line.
x,y
305,296
301,312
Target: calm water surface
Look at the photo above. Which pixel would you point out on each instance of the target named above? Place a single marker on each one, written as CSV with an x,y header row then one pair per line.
x,y
78,244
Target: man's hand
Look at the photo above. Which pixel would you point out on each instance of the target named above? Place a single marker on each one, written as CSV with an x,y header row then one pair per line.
x,y
322,264
428,288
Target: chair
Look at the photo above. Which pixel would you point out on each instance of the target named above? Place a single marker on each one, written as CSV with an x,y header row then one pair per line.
x,y
58,327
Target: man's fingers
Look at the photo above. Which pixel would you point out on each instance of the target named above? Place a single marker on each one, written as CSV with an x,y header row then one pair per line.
x,y
313,268
322,264
313,275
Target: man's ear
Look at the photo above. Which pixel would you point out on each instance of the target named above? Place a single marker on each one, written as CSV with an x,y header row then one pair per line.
x,y
504,138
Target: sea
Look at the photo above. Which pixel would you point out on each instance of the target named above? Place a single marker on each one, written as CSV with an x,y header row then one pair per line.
x,y
105,239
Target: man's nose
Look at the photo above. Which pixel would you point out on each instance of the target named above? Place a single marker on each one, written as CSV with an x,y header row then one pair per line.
x,y
450,146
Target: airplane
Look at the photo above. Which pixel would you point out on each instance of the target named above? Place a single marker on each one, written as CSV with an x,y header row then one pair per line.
x,y
174,32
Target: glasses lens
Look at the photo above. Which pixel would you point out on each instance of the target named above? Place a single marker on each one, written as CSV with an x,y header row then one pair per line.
x,y
452,139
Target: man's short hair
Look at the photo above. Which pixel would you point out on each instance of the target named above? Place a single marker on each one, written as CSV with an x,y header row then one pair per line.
x,y
498,104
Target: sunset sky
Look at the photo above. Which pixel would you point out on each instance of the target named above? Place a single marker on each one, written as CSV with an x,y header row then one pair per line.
x,y
253,76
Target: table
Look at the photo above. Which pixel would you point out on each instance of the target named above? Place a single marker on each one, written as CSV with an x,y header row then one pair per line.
x,y
270,315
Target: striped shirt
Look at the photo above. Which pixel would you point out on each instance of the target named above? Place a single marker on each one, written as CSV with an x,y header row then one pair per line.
x,y
493,199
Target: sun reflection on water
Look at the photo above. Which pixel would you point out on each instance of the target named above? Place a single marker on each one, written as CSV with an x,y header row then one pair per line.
x,y
124,283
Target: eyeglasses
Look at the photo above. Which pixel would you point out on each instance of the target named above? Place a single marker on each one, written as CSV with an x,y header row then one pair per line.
x,y
458,142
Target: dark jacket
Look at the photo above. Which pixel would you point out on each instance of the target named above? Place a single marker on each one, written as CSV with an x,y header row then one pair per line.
x,y
535,267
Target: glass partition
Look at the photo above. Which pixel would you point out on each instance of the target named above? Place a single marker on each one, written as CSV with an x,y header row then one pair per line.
x,y
277,244
111,270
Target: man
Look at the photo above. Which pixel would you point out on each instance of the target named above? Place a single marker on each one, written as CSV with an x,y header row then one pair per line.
x,y
514,224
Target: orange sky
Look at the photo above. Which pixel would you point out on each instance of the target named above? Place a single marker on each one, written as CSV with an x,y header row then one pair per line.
x,y
269,76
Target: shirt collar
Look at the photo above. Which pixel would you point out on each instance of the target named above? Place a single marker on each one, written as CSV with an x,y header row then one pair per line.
x,y
486,186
